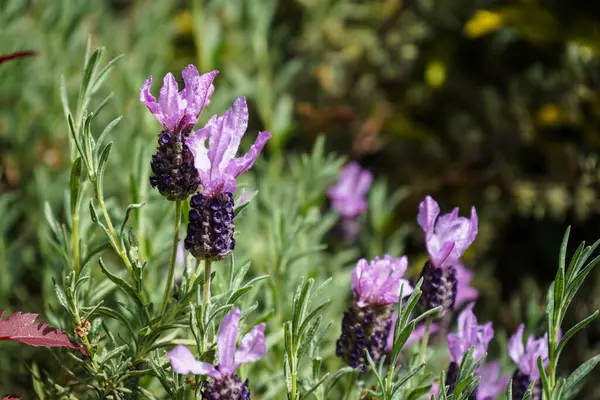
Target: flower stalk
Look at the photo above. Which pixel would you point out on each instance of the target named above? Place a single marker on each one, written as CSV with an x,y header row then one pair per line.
x,y
171,274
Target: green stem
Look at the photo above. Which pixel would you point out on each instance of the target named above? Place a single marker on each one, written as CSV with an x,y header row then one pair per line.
x,y
294,384
553,361
206,288
350,386
114,238
423,347
175,244
75,234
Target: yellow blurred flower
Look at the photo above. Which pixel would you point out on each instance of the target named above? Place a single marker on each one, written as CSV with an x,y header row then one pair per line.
x,y
483,23
184,22
549,115
435,74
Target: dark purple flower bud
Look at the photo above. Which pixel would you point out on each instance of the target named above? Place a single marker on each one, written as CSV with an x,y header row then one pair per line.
x,y
173,171
211,226
439,288
451,376
364,328
231,388
520,384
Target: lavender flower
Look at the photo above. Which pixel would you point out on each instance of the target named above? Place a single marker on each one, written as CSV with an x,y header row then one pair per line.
x,y
172,166
223,382
469,334
464,292
211,227
366,324
348,197
526,359
378,282
491,383
447,238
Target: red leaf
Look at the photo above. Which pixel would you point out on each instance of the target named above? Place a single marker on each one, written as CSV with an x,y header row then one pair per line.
x,y
23,328
11,398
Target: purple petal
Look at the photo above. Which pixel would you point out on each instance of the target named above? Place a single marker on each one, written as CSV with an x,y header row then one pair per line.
x,y
147,98
196,142
197,92
224,143
428,212
469,334
379,282
515,344
491,384
226,339
441,258
171,104
348,195
364,182
449,228
253,346
240,165
183,362
464,292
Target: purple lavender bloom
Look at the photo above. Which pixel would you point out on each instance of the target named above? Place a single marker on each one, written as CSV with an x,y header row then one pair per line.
x,y
178,111
491,383
448,236
526,358
415,336
378,282
211,227
464,292
173,172
367,323
217,164
348,195
469,335
223,382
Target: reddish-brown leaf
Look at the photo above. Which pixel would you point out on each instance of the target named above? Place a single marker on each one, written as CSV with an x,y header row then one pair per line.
x,y
17,55
11,398
23,328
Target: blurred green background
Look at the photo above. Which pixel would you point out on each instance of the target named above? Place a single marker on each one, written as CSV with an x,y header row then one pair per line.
x,y
476,102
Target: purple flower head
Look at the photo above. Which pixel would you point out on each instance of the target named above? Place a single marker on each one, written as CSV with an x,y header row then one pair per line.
x,y
464,292
217,165
469,334
526,356
491,383
378,282
448,236
252,348
348,195
415,336
178,111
